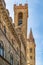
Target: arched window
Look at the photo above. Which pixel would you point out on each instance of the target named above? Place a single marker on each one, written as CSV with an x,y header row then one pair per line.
x,y
1,49
20,18
11,59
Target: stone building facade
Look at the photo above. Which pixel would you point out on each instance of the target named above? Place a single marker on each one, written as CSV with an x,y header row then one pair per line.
x,y
13,36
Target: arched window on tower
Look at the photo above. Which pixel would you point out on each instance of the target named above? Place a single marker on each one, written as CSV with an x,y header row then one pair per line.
x,y
1,49
20,18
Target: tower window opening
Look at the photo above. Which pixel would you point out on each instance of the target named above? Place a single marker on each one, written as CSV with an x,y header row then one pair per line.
x,y
20,18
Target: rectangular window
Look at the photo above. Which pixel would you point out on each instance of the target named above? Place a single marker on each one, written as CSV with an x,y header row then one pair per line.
x,y
30,50
4,29
11,59
30,57
1,50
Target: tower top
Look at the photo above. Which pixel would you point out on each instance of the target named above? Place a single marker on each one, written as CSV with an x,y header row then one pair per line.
x,y
20,17
21,7
31,38
20,4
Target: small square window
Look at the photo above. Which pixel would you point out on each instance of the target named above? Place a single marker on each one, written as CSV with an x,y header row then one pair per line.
x,y
30,57
30,50
30,64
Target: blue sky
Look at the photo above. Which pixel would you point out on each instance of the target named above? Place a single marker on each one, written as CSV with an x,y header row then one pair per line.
x,y
35,21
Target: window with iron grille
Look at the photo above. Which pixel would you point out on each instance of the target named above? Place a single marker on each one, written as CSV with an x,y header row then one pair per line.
x,y
1,49
11,59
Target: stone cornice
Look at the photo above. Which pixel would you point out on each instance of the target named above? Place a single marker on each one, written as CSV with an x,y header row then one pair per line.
x,y
9,24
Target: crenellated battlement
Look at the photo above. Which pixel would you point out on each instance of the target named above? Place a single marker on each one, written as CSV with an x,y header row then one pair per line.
x,y
21,6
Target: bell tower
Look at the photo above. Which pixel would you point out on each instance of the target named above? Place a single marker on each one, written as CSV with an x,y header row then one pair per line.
x,y
20,17
31,49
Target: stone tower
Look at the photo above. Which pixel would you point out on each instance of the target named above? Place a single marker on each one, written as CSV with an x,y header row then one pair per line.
x,y
20,17
31,49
